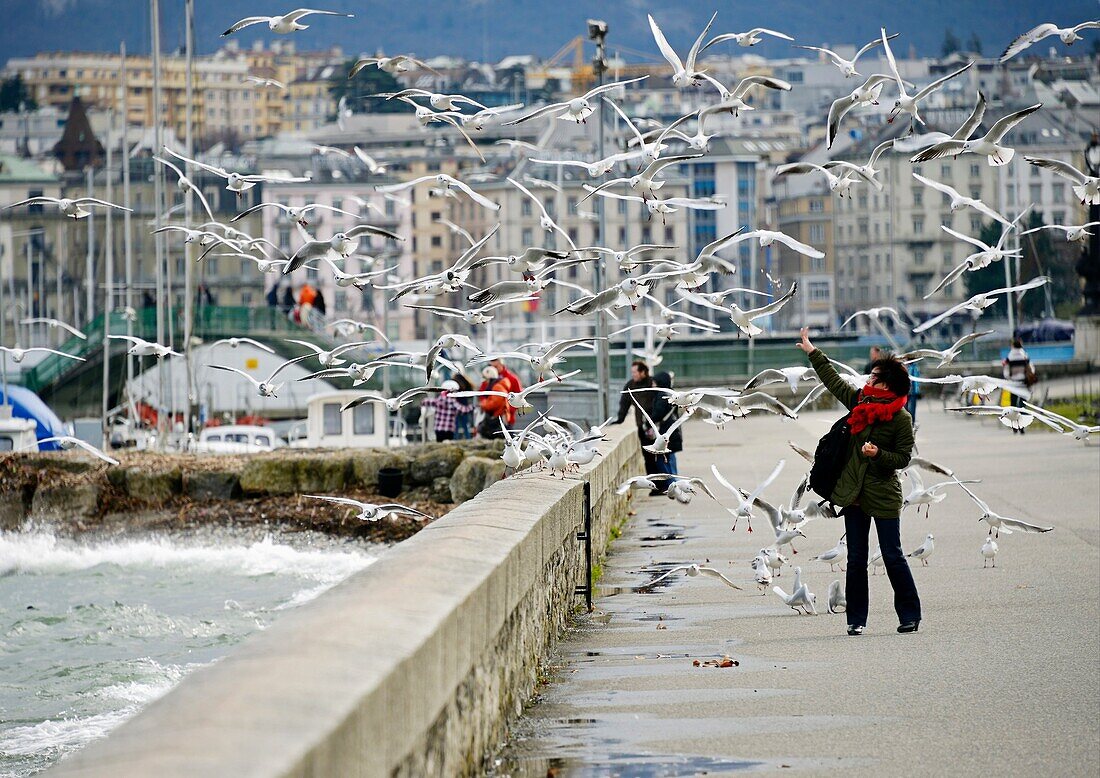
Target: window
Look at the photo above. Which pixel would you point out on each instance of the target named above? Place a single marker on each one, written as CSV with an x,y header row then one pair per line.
x,y
1035,191
525,207
918,225
647,234
919,286
863,228
622,236
945,170
1058,193
948,257
1010,193
362,419
670,234
819,292
1034,171
338,202
975,224
548,204
1059,217
437,241
817,233
332,421
525,237
975,171
817,206
622,206
571,203
918,257
918,196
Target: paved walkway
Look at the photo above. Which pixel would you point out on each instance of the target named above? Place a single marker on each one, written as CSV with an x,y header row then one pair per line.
x,y
1003,679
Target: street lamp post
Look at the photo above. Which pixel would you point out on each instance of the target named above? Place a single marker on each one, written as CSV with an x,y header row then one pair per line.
x,y
597,31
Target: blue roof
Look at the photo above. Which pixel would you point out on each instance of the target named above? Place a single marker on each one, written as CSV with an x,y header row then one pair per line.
x,y
28,405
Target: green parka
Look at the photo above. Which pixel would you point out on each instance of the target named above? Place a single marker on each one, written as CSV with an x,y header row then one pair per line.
x,y
872,483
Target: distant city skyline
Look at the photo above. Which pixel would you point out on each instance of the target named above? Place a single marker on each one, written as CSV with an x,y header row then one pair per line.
x,y
492,29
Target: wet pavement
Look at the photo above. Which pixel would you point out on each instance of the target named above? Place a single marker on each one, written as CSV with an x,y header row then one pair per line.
x,y
691,677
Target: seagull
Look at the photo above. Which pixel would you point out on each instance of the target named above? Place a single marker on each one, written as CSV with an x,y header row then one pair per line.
x,y
371,511
520,145
980,302
1010,416
145,348
394,404
746,500
545,220
745,319
867,172
264,82
518,400
661,439
1078,431
835,556
791,375
342,243
478,121
663,330
67,443
265,388
283,25
323,150
923,551
848,66
874,314
988,145
989,551
594,169
545,357
446,341
865,94
926,495
578,109
294,213
984,257
840,185
1087,188
644,183
959,200
999,524
479,315
774,559
801,599
1074,233
877,561
372,165
982,385
74,208
437,100
966,129
693,571
328,358
236,182
235,342
763,573
185,185
1068,35
17,354
401,63
906,103
731,101
768,237
683,73
55,324
448,183
838,603
746,39
347,326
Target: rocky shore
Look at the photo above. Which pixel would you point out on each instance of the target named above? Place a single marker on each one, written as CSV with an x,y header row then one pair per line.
x,y
74,494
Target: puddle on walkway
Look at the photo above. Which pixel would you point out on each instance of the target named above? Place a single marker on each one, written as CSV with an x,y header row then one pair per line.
x,y
623,764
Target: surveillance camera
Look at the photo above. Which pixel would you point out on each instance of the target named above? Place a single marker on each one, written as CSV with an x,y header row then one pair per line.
x,y
597,28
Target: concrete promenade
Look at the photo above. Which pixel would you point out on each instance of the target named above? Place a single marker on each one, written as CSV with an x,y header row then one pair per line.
x,y
1003,678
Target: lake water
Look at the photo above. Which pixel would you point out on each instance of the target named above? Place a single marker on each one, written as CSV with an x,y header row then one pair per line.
x,y
90,632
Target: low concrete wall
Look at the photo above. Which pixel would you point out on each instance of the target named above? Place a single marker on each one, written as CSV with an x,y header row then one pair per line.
x,y
412,667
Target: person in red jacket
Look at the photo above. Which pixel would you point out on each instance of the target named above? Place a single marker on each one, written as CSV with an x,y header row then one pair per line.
x,y
514,385
494,407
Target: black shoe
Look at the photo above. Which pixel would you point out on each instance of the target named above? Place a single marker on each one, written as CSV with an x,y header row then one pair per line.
x,y
911,626
854,629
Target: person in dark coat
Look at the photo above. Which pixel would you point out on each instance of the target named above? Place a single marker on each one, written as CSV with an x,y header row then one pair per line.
x,y
868,488
639,379
664,413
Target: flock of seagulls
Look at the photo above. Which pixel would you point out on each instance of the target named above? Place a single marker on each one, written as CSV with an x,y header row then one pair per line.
x,y
557,445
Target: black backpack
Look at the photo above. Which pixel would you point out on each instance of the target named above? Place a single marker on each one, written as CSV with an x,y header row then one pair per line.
x,y
830,457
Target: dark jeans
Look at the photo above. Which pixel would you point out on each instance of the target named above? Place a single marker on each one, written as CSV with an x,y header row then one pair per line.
x,y
462,426
665,463
442,435
857,525
911,405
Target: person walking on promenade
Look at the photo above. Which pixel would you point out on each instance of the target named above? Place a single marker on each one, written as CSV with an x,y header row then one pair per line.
x,y
447,410
494,407
639,379
881,444
464,422
1016,367
514,385
914,391
664,413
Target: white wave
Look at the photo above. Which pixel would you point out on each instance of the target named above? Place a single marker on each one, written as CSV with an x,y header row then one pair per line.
x,y
62,734
36,553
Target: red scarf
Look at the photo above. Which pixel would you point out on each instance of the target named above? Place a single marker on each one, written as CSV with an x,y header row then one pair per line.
x,y
866,413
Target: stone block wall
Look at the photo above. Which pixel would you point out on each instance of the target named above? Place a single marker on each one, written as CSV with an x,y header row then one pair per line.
x,y
412,667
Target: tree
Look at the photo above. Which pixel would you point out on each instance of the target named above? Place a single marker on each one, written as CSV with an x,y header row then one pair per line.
x,y
368,81
951,43
974,44
14,95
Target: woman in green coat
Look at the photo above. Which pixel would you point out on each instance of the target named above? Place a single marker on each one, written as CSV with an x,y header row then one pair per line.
x,y
869,487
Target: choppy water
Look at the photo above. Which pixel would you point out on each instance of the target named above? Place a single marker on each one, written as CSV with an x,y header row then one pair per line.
x,y
90,632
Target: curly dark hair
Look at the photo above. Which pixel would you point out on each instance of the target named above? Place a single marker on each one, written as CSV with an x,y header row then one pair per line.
x,y
894,375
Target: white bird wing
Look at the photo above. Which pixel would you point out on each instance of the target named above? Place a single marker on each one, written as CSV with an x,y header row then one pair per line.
x,y
1023,526
939,187
613,85
1061,168
941,81
890,60
627,121
338,500
237,371
799,246
481,200
937,319
1032,36
92,450
248,21
773,306
671,572
973,121
767,481
972,241
666,50
710,571
837,111
1002,126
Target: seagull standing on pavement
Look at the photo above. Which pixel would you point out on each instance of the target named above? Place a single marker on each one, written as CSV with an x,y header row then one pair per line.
x,y
835,556
989,551
838,603
923,551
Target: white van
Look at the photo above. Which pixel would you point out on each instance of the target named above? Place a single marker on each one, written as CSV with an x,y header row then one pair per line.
x,y
237,439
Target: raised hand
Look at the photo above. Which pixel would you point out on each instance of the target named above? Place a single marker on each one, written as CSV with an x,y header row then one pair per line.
x,y
805,344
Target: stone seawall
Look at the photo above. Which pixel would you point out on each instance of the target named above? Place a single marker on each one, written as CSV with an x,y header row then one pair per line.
x,y
412,667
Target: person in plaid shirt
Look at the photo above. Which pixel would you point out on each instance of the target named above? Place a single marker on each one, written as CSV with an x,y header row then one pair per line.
x,y
447,410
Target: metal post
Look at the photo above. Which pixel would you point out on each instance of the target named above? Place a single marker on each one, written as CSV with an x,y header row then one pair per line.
x,y
89,260
586,535
188,205
108,277
128,244
597,31
158,209
5,409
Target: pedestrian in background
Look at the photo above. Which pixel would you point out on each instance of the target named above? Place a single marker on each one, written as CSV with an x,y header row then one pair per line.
x,y
665,414
464,421
639,379
1016,367
447,410
493,407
